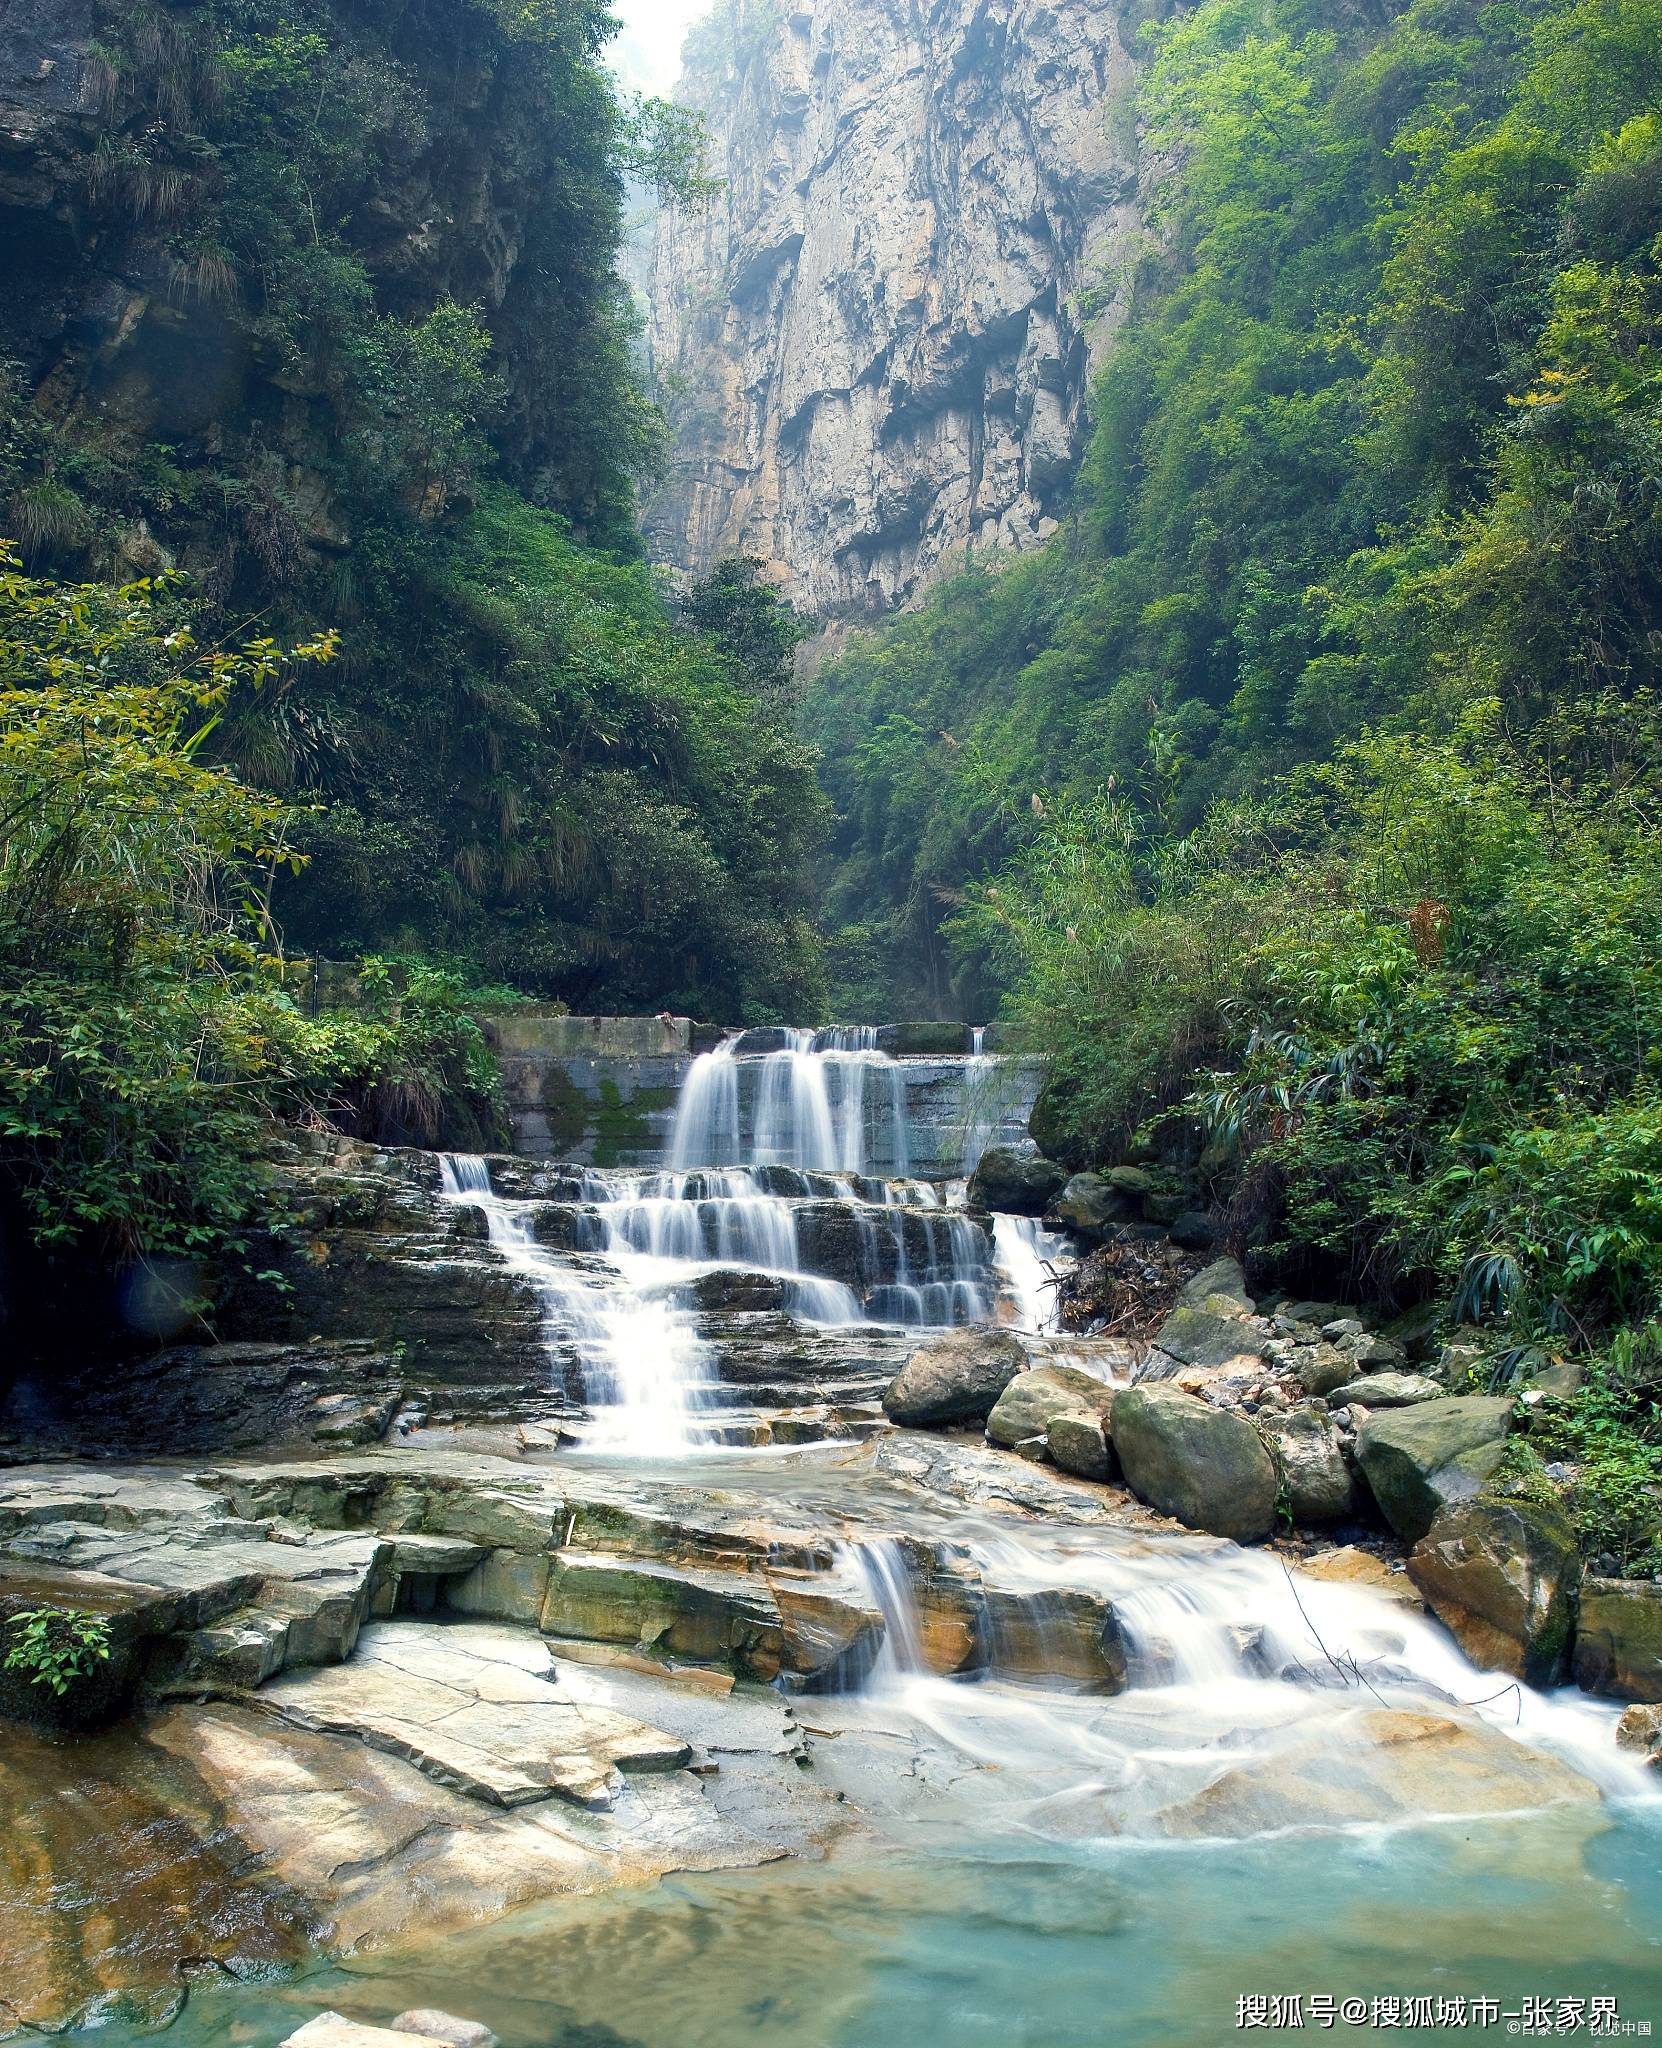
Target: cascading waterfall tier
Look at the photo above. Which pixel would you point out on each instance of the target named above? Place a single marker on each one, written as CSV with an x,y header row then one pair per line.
x,y
793,1163
832,1107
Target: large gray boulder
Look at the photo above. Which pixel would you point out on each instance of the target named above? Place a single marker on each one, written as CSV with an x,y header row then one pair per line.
x,y
1091,1208
1219,1288
1018,1183
1207,1467
1196,1337
1502,1575
954,1378
1423,1459
1316,1479
1029,1401
1618,1645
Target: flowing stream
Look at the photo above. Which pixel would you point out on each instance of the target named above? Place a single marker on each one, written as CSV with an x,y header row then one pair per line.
x,y
1290,1788
756,1139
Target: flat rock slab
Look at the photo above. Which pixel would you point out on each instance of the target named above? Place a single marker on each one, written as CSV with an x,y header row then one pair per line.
x,y
477,1709
1390,1765
331,2030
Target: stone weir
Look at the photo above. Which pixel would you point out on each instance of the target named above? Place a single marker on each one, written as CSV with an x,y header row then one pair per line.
x,y
603,1090
761,1286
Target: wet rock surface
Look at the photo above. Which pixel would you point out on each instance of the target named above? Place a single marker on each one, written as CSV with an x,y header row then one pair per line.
x,y
1396,1764
542,1674
958,1377
1503,1575
1618,1644
1206,1467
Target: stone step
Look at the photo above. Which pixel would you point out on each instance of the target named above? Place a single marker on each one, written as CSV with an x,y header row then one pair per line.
x,y
478,1710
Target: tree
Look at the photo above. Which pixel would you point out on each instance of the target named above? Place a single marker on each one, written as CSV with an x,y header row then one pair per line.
x,y
752,624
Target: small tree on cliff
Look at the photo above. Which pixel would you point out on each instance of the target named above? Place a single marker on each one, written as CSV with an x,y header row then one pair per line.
x,y
752,624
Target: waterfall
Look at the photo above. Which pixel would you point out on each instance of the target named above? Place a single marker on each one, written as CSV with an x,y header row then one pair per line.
x,y
981,1108
832,1107
706,1131
1229,1655
1025,1255
762,1141
880,1567
647,1374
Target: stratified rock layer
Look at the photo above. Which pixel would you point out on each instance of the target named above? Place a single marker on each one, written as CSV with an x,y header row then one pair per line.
x,y
880,332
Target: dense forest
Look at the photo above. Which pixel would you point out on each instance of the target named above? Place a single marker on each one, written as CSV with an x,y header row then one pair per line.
x,y
1309,779
326,628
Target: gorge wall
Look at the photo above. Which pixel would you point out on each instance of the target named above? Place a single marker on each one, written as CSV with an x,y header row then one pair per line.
x,y
877,338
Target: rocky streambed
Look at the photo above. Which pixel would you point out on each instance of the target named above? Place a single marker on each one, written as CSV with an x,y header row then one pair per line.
x,y
392,1700
616,1607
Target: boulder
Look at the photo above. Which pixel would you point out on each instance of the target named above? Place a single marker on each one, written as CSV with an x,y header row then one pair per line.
x,y
1386,1390
1640,1728
729,1288
332,2030
1196,1337
1220,1289
1194,1230
1502,1574
1208,1468
1079,1444
444,2026
1018,1183
954,1378
1311,1462
1618,1645
1090,1208
1031,1399
1374,1353
1422,1459
1320,1368
1392,1765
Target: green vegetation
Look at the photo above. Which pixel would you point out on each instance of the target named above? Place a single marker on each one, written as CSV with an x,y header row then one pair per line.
x,y
383,381
147,1037
1309,781
342,365
57,1646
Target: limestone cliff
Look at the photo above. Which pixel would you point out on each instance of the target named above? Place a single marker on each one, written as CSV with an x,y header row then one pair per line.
x,y
877,338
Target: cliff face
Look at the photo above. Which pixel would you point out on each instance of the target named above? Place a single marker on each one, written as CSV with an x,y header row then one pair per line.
x,y
879,335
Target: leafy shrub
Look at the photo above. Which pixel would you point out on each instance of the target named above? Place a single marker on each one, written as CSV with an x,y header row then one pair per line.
x,y
57,1646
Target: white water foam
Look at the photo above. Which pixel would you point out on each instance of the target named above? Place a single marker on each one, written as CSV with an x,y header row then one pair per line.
x,y
648,1376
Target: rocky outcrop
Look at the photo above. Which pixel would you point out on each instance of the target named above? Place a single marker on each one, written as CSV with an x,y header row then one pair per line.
x,y
1203,1465
954,1378
1502,1574
1092,1208
1020,1183
878,336
1422,1459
